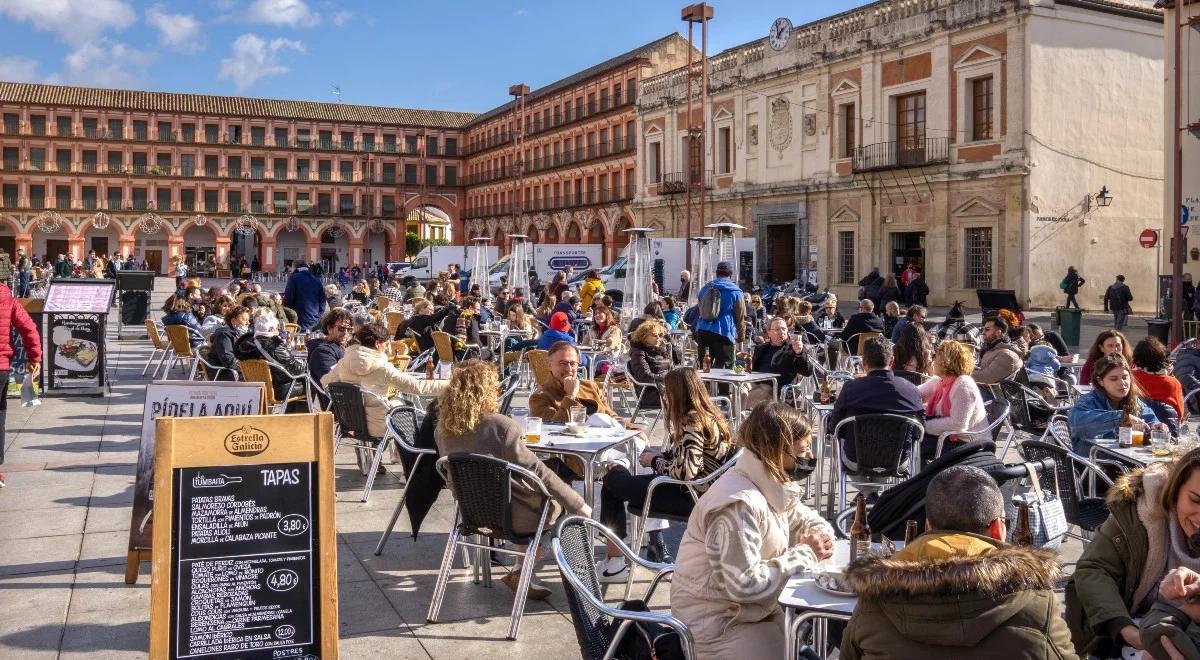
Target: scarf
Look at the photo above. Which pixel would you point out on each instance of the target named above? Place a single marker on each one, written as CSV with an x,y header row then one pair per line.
x,y
939,402
803,320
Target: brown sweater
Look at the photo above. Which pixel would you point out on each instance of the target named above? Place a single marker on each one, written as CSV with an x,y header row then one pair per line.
x,y
551,403
501,437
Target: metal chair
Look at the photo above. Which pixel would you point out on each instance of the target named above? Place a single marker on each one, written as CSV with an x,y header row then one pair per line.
x,y
162,348
402,424
1187,410
1085,512
640,390
482,487
180,337
600,627
348,403
914,377
210,371
997,414
858,339
881,443
508,389
1021,415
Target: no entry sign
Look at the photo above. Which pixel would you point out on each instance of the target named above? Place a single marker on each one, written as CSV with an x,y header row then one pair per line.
x,y
1148,238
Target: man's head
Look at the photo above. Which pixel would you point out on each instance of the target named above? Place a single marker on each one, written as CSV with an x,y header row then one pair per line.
x,y
1120,278
563,359
777,329
560,322
877,353
865,306
917,314
724,269
337,326
994,329
964,498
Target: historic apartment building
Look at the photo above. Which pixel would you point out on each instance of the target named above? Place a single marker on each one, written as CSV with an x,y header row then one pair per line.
x,y
973,138
559,163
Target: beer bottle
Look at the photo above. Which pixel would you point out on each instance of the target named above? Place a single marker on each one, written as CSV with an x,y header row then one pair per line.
x,y
910,532
429,369
1023,536
707,363
860,531
1125,433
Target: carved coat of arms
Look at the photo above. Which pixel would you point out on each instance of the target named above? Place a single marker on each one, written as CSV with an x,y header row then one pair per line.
x,y
780,136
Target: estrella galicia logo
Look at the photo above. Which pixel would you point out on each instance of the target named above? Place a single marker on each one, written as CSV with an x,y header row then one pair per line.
x,y
247,441
578,261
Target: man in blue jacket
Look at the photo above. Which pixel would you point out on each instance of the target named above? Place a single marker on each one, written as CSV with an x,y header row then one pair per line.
x,y
305,294
716,336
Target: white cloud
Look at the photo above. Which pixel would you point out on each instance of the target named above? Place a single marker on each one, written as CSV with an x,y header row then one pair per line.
x,y
104,63
18,69
255,58
342,17
75,21
179,32
295,13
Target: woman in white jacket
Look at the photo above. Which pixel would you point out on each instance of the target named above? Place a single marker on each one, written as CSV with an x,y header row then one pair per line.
x,y
748,535
952,398
366,364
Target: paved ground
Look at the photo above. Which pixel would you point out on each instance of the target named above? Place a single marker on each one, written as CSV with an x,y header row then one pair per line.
x,y
65,518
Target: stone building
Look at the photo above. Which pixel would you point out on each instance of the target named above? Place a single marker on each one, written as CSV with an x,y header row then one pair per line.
x,y
970,137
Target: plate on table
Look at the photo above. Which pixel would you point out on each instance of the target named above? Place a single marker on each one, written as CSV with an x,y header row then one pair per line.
x,y
833,582
76,355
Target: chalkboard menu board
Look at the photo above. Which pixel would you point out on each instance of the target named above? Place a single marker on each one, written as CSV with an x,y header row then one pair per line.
x,y
247,567
243,556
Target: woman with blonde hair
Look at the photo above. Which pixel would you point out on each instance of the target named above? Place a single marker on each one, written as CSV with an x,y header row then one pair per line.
x,y
698,442
469,422
746,537
952,398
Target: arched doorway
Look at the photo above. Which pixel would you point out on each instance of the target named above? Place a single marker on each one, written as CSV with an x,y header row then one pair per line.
x,y
335,248
47,245
533,235
200,247
429,223
375,245
573,235
104,241
247,246
8,237
289,247
550,235
596,233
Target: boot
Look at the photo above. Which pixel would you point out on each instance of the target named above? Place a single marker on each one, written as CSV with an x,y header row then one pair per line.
x,y
656,549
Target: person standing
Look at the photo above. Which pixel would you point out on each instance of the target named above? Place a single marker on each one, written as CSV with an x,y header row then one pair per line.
x,y
6,268
916,291
1116,300
1189,297
685,285
720,326
14,316
1070,286
305,294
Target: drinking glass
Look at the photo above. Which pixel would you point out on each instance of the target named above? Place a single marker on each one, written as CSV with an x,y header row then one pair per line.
x,y
578,415
1159,438
533,430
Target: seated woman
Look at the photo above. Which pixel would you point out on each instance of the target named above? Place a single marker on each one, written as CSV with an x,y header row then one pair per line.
x,y
1108,342
803,323
181,314
215,318
333,297
651,356
698,442
220,349
1152,513
606,329
1114,396
912,359
829,316
469,422
671,313
523,327
952,398
360,293
264,343
746,537
366,364
1152,371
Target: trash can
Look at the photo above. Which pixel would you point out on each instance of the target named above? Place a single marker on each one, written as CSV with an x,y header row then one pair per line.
x,y
1160,329
1069,319
1055,319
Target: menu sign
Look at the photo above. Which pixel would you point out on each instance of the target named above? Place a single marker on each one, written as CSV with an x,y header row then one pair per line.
x,y
76,343
243,561
93,296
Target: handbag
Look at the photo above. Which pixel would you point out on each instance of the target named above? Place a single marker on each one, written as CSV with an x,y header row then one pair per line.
x,y
1047,520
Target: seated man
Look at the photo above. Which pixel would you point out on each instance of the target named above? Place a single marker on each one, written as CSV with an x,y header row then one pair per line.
x,y
552,400
864,321
958,591
997,358
880,391
781,355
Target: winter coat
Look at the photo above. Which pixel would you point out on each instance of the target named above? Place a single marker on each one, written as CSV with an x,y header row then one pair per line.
x,y
739,549
1161,387
887,295
550,402
956,595
650,365
1117,297
781,360
1093,416
1123,563
550,337
1187,372
252,346
305,294
590,288
967,412
1072,281
1000,362
858,324
220,350
13,315
730,321
916,292
371,370
1043,359
187,319
6,267
322,356
958,330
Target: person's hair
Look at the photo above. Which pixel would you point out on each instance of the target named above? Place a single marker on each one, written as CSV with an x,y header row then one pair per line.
x,y
222,305
1070,269
687,402
593,273
473,392
235,312
264,320
646,329
1120,278
469,301
999,322
668,303
1150,355
1034,327
1097,349
777,319
1181,471
724,268
866,305
371,334
769,433
963,498
1108,363
916,309
420,304
653,308
957,312
331,289
548,302
332,318
955,358
180,304
831,300
892,306
804,308
889,282
877,353
912,346
559,346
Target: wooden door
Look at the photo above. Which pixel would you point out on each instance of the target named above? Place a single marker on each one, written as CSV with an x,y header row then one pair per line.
x,y
55,247
781,240
154,260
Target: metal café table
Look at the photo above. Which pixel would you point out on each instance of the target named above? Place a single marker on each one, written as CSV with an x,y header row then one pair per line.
x,y
594,354
822,448
802,600
745,378
1108,449
556,442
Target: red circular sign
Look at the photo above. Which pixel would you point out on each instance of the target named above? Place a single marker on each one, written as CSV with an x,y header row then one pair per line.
x,y
1148,238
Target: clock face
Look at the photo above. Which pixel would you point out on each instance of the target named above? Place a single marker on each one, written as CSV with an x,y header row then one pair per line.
x,y
781,29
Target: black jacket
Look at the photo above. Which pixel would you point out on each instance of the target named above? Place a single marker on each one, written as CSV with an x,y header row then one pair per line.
x,y
220,350
1187,372
812,333
917,292
887,295
251,347
880,391
836,319
781,360
650,365
322,355
1117,297
1073,281
424,484
859,323
423,326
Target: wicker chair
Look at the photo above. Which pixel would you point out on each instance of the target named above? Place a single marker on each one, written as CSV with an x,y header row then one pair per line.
x,y
483,490
1085,512
180,337
291,328
539,364
162,348
394,319
348,403
444,344
600,627
259,371
857,340
382,303
402,424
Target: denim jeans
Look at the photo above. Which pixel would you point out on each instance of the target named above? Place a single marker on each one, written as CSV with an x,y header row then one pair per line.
x,y
1119,317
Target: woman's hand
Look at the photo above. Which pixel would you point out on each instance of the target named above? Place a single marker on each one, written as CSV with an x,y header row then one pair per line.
x,y
1138,423
1172,652
1179,583
647,457
821,543
1132,637
1159,426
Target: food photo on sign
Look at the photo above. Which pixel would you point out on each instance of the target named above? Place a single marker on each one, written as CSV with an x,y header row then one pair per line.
x,y
74,354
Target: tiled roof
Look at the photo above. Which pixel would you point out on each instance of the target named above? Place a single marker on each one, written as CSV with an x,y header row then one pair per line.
x,y
619,60
87,97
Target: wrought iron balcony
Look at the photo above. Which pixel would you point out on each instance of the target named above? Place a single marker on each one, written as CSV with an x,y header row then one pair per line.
x,y
899,154
677,182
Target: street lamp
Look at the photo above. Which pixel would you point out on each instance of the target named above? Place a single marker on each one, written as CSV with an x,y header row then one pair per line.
x,y
724,247
1103,198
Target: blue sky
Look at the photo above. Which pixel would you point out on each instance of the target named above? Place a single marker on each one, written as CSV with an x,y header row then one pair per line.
x,y
446,55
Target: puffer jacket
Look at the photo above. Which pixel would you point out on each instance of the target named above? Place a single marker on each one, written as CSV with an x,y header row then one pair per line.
x,y
371,370
13,315
956,595
588,290
220,350
650,365
1122,565
1187,372
188,320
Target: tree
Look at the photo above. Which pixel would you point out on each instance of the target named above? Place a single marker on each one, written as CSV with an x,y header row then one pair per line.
x,y
412,244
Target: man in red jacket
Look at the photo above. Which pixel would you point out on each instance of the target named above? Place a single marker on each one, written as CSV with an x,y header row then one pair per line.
x,y
13,315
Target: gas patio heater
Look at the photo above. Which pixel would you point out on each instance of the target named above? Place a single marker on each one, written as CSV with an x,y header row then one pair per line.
x,y
520,261
479,269
702,266
724,247
637,272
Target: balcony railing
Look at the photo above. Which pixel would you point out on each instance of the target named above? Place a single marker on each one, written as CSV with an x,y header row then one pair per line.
x,y
551,161
901,153
678,182
585,198
537,126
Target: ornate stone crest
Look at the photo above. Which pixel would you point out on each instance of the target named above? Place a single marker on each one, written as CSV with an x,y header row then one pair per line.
x,y
752,135
810,125
780,136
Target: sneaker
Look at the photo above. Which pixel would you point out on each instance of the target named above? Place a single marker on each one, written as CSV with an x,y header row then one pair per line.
x,y
537,590
612,570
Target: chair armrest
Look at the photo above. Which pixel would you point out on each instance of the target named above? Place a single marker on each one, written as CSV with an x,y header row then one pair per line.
x,y
1091,467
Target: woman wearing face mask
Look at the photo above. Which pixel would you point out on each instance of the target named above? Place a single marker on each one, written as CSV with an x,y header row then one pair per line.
x,y
747,536
220,350
698,442
1115,395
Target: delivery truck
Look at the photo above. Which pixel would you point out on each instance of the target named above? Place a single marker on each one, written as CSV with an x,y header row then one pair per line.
x,y
435,258
668,257
550,258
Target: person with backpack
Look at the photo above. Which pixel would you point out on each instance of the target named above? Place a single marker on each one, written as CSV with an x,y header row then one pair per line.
x,y
1116,300
1070,286
722,315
